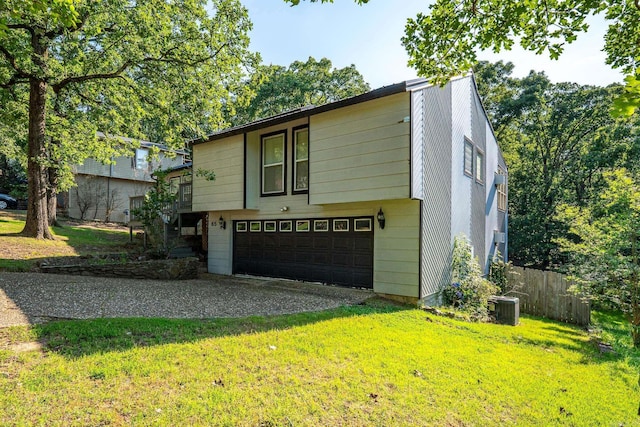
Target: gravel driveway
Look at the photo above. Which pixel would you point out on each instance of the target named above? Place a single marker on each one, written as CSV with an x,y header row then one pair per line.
x,y
27,298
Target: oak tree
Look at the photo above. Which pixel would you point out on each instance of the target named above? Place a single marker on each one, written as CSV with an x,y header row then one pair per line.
x,y
278,89
445,41
147,69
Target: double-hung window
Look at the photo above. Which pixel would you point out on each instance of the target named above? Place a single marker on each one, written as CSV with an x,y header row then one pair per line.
x,y
273,164
301,160
142,159
468,157
502,191
479,166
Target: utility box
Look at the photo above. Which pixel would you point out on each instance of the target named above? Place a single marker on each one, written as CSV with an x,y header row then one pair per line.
x,y
505,309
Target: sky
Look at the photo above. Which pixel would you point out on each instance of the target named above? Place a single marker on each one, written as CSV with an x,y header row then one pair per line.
x,y
368,36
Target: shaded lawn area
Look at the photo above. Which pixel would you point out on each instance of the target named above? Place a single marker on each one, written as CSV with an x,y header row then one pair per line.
x,y
19,253
375,364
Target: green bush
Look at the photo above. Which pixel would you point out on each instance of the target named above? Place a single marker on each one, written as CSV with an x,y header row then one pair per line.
x,y
468,291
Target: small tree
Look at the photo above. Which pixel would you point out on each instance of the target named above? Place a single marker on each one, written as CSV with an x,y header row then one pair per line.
x,y
156,211
604,248
88,195
112,202
468,290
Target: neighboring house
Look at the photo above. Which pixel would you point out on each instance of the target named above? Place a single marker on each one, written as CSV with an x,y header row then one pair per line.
x,y
103,191
369,191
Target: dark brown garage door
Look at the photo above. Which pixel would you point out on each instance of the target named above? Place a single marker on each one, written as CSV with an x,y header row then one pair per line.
x,y
329,250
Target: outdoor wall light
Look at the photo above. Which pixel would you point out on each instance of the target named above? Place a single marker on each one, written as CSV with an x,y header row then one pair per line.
x,y
223,223
381,219
284,208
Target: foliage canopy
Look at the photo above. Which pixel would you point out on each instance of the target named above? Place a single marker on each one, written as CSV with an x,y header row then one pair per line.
x,y
444,42
154,70
279,89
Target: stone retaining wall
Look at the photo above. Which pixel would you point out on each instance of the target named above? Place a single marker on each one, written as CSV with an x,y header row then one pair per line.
x,y
166,269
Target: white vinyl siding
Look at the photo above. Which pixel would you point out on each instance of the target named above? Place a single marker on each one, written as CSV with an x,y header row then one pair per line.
x,y
301,160
361,152
226,158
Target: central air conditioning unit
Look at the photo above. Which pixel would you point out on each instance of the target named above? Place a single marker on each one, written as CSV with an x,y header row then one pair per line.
x,y
499,237
506,310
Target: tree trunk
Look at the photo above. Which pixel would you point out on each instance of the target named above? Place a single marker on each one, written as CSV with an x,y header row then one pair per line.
x,y
52,196
37,223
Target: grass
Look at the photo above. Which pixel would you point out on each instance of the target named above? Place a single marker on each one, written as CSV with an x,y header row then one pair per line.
x,y
376,364
19,253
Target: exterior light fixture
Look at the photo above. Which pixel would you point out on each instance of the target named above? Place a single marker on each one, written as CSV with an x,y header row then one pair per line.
x,y
381,219
223,223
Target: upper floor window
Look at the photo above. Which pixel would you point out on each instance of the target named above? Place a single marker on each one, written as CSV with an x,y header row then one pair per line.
x,y
273,163
142,159
501,189
174,184
301,160
479,166
468,157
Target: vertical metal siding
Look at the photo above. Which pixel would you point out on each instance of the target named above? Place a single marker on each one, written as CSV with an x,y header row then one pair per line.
x,y
503,217
460,183
417,145
478,190
436,206
492,220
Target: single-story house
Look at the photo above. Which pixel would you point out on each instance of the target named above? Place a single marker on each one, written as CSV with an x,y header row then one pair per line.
x,y
369,191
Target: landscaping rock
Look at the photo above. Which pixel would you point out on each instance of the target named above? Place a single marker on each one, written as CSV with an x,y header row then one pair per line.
x,y
168,269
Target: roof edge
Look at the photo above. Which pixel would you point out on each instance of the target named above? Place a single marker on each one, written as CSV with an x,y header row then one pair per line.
x,y
307,112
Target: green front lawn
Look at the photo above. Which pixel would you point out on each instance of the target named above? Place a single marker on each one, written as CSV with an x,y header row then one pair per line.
x,y
367,365
19,253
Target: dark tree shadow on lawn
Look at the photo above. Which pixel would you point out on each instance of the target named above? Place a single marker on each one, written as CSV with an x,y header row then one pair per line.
x,y
77,338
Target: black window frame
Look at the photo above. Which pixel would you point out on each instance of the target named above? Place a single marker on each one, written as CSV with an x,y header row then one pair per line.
x,y
294,178
284,163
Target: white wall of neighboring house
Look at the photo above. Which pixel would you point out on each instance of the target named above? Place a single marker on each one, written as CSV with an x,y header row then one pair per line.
x,y
101,186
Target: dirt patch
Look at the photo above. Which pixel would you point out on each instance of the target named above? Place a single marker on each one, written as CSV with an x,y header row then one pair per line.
x,y
24,347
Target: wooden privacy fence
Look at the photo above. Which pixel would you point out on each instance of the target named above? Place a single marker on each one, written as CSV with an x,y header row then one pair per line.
x,y
546,294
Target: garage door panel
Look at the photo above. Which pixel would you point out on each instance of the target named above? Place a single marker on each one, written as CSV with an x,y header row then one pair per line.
x,y
337,257
286,240
321,242
363,244
322,258
341,242
362,261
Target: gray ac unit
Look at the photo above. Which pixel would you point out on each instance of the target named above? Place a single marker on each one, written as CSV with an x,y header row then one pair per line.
x,y
506,310
499,237
500,179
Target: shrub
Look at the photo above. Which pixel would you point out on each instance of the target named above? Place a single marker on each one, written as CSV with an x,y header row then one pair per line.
x,y
468,291
498,276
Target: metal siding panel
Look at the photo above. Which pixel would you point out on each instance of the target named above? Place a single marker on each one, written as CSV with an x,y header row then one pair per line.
x,y
417,145
460,183
492,214
436,206
478,192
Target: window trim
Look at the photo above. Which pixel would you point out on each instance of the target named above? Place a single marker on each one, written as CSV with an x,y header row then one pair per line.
x,y
146,159
481,170
294,179
501,192
468,143
284,164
